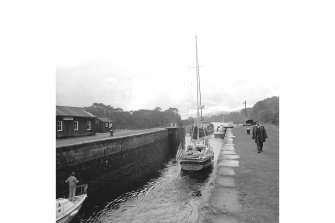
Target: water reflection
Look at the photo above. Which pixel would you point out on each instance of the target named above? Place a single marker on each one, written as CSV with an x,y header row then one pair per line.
x,y
169,195
200,176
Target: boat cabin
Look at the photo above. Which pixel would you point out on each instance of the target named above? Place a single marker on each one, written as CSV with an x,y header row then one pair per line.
x,y
201,132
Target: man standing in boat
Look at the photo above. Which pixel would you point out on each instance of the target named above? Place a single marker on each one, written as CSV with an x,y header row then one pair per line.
x,y
259,135
72,180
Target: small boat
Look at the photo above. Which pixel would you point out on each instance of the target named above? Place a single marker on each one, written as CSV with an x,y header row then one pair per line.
x,y
66,210
221,129
198,154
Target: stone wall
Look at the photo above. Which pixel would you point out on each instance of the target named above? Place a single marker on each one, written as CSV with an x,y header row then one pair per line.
x,y
118,160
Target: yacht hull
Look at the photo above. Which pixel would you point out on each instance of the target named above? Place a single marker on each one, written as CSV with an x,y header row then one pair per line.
x,y
69,217
195,165
70,214
218,135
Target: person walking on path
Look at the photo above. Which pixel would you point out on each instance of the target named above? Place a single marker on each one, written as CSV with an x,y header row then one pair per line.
x,y
72,180
259,135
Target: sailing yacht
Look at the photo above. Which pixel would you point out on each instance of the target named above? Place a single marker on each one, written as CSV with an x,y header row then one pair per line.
x,y
198,154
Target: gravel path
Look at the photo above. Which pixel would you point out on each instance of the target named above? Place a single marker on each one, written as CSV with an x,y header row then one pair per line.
x,y
257,178
246,185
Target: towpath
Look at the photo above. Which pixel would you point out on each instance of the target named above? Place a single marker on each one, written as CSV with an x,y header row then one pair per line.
x,y
257,178
246,185
101,136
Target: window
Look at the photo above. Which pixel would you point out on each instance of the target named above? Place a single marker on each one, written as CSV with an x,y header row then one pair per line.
x,y
88,125
59,126
75,125
106,124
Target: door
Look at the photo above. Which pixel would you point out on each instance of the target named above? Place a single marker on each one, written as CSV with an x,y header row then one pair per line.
x,y
69,127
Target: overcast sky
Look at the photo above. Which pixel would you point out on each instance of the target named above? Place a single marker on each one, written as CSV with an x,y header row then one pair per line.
x,y
137,54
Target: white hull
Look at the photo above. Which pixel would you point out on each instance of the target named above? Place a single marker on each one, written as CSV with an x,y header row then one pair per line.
x,y
196,166
66,210
67,216
197,162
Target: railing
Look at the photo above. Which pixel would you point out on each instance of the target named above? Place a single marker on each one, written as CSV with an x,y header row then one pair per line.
x,y
81,189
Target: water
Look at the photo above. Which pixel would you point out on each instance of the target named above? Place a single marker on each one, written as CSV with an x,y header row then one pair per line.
x,y
170,195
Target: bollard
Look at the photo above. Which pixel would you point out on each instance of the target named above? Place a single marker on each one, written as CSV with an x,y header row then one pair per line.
x,y
248,131
111,131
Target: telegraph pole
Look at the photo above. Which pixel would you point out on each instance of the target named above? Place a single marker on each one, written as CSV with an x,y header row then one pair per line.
x,y
245,107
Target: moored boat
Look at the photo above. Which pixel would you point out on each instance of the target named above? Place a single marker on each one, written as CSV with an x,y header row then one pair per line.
x,y
220,132
198,154
221,129
66,209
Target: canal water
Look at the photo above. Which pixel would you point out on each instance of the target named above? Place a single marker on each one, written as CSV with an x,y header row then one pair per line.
x,y
169,195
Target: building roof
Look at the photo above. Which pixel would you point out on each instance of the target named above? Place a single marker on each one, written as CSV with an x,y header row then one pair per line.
x,y
72,111
105,119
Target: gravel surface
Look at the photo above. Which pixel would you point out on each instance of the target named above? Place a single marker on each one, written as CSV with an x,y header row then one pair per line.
x,y
257,178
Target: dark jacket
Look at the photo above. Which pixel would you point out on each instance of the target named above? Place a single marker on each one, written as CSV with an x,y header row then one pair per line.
x,y
262,133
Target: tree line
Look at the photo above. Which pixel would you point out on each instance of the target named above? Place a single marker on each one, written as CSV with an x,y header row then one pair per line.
x,y
266,111
140,119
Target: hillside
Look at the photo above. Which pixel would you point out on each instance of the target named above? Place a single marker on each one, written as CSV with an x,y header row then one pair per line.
x,y
236,117
266,111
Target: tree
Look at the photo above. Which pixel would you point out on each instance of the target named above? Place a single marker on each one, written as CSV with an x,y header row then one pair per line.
x,y
275,119
139,119
265,116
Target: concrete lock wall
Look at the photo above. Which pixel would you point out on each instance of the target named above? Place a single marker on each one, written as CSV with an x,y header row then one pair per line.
x,y
118,161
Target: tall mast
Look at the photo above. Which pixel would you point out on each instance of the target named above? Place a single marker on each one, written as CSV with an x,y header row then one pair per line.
x,y
198,84
245,109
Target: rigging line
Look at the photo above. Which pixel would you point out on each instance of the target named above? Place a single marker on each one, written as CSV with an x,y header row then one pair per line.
x,y
197,72
200,98
189,89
